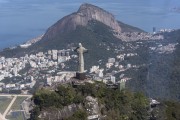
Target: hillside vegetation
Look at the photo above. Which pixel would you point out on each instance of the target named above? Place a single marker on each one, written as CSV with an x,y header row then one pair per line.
x,y
114,104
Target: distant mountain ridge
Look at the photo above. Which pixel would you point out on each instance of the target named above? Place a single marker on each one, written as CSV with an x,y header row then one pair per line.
x,y
56,36
85,13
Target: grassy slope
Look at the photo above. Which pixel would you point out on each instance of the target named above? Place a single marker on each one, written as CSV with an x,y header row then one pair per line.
x,y
4,102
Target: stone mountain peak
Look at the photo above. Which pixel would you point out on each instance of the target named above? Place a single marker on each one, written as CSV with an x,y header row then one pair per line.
x,y
85,13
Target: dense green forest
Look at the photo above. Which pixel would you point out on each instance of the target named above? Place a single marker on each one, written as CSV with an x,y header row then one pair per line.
x,y
115,104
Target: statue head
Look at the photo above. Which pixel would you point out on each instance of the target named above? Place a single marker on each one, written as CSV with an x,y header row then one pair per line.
x,y
80,45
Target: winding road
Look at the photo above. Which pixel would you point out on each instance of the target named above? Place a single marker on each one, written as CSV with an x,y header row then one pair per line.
x,y
3,116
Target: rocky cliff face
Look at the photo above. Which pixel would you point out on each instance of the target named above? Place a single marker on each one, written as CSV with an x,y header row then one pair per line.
x,y
86,13
90,12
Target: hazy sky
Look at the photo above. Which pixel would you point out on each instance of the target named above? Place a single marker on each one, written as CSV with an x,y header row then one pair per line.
x,y
21,20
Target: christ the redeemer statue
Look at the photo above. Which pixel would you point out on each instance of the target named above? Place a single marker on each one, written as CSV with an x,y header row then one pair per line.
x,y
80,50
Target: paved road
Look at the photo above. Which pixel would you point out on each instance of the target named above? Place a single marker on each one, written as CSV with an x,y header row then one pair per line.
x,y
18,95
18,110
9,106
1,117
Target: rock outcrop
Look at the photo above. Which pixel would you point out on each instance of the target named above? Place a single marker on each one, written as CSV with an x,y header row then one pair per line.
x,y
57,114
86,13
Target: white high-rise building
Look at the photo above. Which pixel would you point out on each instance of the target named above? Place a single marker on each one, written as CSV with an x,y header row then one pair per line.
x,y
40,54
49,81
33,64
101,73
113,79
1,77
15,71
122,84
94,69
128,65
49,52
111,60
32,78
54,54
1,66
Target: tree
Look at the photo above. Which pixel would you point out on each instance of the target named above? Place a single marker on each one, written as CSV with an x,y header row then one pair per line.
x,y
66,94
78,115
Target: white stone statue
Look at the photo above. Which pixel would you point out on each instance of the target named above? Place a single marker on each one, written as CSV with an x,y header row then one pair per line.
x,y
80,50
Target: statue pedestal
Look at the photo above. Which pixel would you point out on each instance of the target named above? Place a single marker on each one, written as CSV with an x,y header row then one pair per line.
x,y
80,76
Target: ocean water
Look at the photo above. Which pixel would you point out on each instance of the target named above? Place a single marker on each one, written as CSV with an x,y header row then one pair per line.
x,y
21,20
